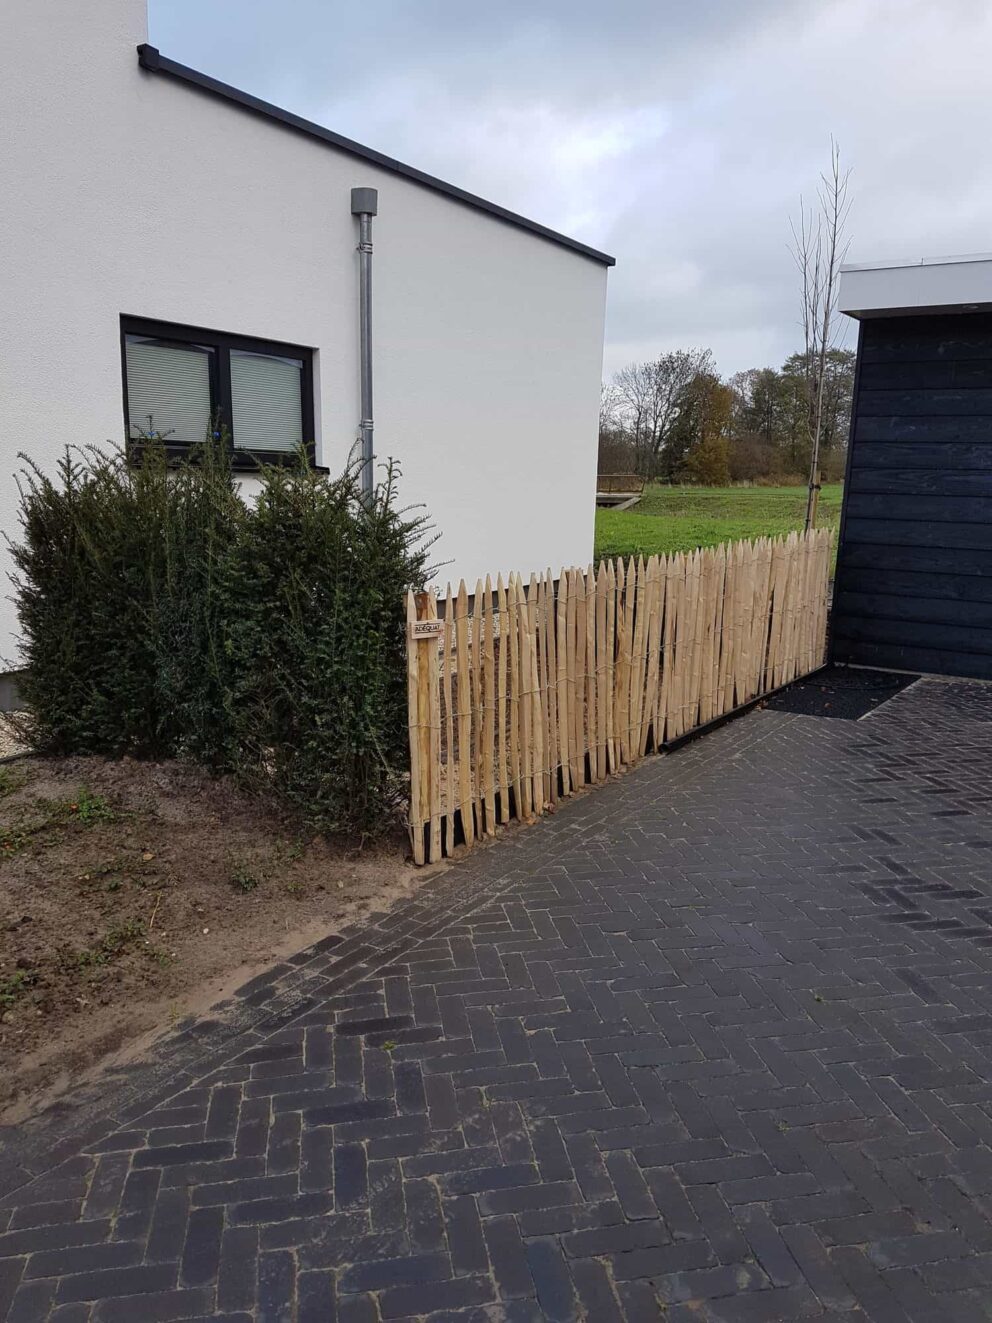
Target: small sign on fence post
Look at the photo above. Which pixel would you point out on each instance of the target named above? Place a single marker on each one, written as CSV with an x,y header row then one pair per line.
x,y
425,629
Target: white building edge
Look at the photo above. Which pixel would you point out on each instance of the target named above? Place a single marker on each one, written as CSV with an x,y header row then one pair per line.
x,y
922,285
141,199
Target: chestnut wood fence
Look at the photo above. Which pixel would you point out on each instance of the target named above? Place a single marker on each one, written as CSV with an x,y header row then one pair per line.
x,y
533,690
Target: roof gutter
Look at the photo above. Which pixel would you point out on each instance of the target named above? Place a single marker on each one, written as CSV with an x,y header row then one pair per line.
x,y
151,60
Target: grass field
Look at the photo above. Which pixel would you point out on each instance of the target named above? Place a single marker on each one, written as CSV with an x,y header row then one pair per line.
x,y
681,518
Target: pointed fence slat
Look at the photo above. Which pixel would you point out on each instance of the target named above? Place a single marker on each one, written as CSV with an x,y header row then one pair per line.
x,y
637,660
533,691
450,782
513,682
502,783
696,641
611,624
652,644
429,693
562,689
667,680
464,685
525,705
478,711
628,656
577,672
488,710
413,726
677,659
589,617
551,749
537,698
603,644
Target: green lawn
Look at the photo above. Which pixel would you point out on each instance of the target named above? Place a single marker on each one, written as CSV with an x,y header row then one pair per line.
x,y
681,518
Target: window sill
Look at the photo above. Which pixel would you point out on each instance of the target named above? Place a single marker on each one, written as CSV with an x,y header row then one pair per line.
x,y
249,461
242,461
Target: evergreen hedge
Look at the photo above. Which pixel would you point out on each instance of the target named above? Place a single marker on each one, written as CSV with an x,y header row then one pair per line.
x,y
163,616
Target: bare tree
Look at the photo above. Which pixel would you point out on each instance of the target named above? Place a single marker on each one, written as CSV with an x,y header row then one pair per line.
x,y
819,246
630,400
616,450
643,401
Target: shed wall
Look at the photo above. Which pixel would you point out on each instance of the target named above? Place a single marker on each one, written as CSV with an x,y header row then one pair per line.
x,y
914,576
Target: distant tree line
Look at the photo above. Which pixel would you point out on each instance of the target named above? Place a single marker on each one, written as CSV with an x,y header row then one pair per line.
x,y
676,420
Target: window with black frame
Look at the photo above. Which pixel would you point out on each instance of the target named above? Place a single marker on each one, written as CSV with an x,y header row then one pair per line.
x,y
181,382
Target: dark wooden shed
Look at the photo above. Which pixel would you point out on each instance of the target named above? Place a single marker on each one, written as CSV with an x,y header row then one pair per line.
x,y
914,575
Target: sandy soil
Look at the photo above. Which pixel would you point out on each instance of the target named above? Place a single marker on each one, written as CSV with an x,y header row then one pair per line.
x,y
133,894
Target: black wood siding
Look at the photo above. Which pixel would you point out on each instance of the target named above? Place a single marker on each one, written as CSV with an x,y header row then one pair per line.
x,y
914,573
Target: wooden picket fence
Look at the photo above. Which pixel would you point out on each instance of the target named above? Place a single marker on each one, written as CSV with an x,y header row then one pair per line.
x,y
531,691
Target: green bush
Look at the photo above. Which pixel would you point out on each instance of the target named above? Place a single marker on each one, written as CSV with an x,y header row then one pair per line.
x,y
121,590
322,631
162,616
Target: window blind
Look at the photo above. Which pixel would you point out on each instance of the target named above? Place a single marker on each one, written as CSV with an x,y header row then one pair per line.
x,y
266,401
168,389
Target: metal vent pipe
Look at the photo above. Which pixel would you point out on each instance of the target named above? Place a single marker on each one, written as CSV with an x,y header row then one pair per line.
x,y
365,205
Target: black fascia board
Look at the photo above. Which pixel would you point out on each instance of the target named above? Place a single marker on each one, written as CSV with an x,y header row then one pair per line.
x,y
150,59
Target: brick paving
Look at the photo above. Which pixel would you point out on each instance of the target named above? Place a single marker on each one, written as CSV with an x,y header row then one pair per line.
x,y
713,1043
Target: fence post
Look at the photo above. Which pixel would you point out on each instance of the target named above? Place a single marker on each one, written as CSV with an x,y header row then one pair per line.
x,y
502,774
488,664
564,682
413,729
450,778
463,680
424,723
552,754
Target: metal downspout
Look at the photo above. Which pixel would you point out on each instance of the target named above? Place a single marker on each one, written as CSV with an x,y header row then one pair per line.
x,y
364,205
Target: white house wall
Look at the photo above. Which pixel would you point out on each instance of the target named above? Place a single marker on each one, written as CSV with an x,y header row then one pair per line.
x,y
127,193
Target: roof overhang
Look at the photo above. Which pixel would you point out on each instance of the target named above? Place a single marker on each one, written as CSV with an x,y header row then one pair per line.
x,y
149,58
927,285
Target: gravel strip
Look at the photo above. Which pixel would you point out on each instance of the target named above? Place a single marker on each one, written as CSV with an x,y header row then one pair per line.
x,y
10,742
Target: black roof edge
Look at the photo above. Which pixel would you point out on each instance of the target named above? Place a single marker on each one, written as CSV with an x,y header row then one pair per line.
x,y
149,58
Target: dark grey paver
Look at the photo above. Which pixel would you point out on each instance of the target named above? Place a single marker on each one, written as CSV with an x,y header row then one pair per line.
x,y
715,1039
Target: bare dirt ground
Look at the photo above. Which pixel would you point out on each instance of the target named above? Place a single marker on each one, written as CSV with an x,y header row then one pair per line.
x,y
133,894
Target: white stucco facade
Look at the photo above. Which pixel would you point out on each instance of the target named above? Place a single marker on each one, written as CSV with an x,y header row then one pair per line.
x,y
128,193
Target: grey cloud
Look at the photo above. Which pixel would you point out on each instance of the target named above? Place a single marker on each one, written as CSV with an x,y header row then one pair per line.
x,y
676,135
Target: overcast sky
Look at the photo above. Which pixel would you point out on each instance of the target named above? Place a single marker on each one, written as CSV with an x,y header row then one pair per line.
x,y
675,134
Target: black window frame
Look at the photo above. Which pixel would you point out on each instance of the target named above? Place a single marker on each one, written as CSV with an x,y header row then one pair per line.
x,y
222,343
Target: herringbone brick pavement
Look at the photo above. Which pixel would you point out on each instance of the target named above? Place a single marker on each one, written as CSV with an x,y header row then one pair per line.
x,y
713,1043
